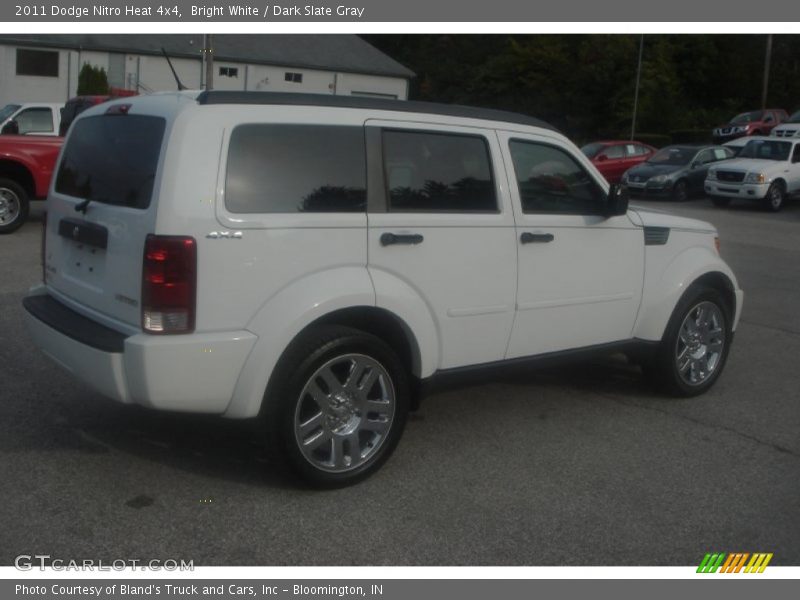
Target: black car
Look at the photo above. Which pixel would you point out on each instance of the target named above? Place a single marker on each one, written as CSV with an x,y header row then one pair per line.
x,y
676,172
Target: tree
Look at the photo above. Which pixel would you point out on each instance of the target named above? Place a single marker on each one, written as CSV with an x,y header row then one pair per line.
x,y
92,81
584,84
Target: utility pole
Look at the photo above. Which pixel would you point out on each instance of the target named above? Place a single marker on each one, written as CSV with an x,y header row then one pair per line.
x,y
636,93
208,57
767,58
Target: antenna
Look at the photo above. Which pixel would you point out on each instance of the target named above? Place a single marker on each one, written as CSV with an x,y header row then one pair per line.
x,y
174,74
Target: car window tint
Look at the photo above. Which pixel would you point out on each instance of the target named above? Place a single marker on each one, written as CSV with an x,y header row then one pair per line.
x,y
613,152
796,153
427,171
552,181
643,149
112,159
35,120
296,168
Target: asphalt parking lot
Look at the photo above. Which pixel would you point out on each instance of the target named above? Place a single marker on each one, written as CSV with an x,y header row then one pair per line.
x,y
578,466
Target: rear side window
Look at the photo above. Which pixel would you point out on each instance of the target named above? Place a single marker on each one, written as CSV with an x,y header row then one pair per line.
x,y
296,168
112,159
434,172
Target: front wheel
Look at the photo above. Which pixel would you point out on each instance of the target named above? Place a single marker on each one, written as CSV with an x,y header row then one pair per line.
x,y
680,191
13,205
775,198
337,406
693,351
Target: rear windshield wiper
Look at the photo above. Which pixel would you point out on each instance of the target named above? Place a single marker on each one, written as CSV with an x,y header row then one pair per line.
x,y
83,205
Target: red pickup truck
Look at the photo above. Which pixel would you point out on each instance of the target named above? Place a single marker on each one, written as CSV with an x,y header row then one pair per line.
x,y
27,162
26,167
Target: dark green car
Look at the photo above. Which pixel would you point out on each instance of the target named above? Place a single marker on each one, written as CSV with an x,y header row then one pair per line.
x,y
676,172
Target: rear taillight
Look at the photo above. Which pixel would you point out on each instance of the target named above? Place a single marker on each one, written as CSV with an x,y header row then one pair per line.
x,y
169,284
43,247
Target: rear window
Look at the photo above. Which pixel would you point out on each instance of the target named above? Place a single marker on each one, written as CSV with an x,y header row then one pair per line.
x,y
296,168
112,159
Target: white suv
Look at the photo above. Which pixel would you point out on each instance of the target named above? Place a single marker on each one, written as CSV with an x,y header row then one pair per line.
x,y
321,261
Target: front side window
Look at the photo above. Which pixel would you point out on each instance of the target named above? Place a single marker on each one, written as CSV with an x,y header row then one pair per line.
x,y
112,159
614,152
35,120
7,111
296,168
436,172
552,181
704,157
723,153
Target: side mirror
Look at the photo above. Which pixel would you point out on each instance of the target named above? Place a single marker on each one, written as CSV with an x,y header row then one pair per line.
x,y
696,164
601,158
10,128
617,200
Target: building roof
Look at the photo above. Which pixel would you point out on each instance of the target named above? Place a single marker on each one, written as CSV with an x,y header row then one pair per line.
x,y
345,53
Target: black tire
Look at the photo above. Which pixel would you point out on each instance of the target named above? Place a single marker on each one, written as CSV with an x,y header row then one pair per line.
x,y
664,368
287,397
14,205
776,197
720,201
680,191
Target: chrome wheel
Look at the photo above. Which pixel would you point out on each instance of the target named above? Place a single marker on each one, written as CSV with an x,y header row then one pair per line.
x,y
344,413
700,344
9,206
775,197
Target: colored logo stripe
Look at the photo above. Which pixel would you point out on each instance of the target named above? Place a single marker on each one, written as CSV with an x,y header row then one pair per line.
x,y
734,562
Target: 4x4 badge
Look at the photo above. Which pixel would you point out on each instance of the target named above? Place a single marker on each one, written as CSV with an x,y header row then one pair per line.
x,y
231,235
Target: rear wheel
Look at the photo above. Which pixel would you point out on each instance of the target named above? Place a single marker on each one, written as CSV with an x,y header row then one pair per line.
x,y
14,205
776,197
337,405
693,351
720,201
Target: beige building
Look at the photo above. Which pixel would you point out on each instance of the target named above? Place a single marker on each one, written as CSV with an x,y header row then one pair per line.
x,y
44,68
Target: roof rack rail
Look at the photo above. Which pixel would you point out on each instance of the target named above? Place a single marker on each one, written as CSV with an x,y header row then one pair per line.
x,y
433,108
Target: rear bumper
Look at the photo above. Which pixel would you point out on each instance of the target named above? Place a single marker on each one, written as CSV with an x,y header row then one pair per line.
x,y
190,373
747,191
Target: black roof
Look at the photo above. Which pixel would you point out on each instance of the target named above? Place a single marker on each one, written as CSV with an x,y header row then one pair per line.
x,y
433,108
331,52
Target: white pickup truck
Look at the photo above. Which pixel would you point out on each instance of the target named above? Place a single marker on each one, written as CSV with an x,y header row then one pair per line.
x,y
767,170
31,118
